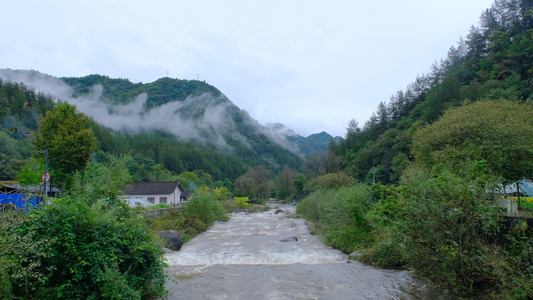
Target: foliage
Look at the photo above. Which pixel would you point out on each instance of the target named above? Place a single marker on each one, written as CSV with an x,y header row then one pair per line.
x,y
221,193
320,163
199,213
255,183
205,209
450,227
20,108
317,142
75,248
339,216
103,179
497,132
241,203
284,183
328,181
31,172
298,183
122,91
494,62
68,137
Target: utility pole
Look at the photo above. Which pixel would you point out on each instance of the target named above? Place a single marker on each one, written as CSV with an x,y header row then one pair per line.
x,y
45,179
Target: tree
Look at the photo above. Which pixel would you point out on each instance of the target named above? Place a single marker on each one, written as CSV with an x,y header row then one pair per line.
x,y
254,183
68,137
284,183
496,132
353,128
299,182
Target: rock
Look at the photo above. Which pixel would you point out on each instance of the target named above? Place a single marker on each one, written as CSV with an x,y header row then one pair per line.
x,y
289,239
166,250
278,211
173,239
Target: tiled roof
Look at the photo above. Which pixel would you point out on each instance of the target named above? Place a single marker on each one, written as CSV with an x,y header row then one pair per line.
x,y
186,193
151,188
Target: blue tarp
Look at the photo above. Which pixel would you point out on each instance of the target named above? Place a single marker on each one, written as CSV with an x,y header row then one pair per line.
x,y
21,201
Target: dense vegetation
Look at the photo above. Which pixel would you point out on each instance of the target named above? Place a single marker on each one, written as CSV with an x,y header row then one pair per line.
x,y
439,154
159,92
152,156
244,136
317,142
494,61
87,243
20,112
84,246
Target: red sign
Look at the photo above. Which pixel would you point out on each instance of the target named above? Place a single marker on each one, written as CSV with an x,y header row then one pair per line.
x,y
46,177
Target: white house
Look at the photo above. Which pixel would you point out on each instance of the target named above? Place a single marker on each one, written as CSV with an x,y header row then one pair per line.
x,y
155,192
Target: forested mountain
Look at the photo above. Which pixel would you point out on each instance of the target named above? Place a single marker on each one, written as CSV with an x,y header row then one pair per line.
x,y
317,142
179,125
20,110
494,61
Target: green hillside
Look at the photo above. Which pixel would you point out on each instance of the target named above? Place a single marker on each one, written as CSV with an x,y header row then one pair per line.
x,y
244,145
120,91
317,142
494,62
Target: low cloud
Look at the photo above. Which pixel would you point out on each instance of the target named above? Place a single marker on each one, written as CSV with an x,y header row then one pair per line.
x,y
206,123
206,119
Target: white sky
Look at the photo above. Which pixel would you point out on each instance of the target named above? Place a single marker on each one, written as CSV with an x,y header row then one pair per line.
x,y
311,65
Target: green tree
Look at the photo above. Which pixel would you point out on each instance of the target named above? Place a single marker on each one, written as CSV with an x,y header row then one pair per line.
x,y
497,132
68,137
254,183
299,182
284,183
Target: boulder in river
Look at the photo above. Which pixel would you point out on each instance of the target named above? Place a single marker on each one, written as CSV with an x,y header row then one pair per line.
x,y
289,239
278,211
172,238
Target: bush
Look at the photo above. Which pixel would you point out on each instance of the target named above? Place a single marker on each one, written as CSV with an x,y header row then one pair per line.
x,y
205,208
73,249
328,181
451,231
240,203
387,249
339,216
198,215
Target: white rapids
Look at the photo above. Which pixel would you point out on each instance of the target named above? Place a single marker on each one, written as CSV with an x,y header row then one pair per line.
x,y
254,239
244,258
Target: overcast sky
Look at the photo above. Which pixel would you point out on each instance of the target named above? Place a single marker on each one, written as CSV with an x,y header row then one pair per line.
x,y
311,65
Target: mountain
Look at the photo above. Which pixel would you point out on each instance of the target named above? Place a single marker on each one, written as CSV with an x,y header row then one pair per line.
x,y
317,142
493,62
191,111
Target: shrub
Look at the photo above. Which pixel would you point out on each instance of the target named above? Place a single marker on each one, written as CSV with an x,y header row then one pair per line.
x,y
451,227
82,249
240,203
339,216
203,210
328,181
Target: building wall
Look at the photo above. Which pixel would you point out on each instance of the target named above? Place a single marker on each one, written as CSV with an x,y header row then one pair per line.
x,y
171,198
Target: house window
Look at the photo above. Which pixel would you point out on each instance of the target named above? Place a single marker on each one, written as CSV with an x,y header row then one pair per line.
x,y
162,199
151,199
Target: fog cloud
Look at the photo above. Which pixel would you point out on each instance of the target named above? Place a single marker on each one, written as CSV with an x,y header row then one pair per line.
x,y
206,121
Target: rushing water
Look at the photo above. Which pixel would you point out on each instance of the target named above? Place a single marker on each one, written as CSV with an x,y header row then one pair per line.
x,y
244,258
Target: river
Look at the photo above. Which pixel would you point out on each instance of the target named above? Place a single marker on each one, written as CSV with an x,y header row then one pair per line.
x,y
244,258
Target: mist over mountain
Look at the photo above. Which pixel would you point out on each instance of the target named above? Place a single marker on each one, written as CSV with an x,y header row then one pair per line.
x,y
191,110
317,142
